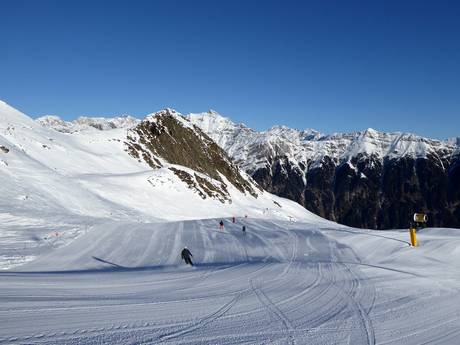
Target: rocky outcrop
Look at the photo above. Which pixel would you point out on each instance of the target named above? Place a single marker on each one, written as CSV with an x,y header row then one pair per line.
x,y
167,139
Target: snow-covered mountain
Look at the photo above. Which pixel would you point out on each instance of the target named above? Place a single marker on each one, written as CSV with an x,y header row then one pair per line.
x,y
126,161
365,179
252,149
161,168
84,123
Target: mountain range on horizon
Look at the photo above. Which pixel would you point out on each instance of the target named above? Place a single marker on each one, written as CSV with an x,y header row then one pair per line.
x,y
366,179
125,120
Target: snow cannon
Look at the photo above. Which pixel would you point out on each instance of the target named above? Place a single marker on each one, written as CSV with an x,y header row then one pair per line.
x,y
420,219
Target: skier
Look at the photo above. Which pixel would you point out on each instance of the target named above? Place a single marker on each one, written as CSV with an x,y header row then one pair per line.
x,y
244,229
233,220
221,225
186,256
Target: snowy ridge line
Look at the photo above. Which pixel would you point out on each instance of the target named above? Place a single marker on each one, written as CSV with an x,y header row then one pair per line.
x,y
85,123
299,146
333,175
251,149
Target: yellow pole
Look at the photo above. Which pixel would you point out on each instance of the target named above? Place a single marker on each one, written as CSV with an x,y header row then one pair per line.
x,y
413,237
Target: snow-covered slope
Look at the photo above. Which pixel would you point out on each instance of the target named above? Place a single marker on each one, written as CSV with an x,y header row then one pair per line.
x,y
67,182
280,283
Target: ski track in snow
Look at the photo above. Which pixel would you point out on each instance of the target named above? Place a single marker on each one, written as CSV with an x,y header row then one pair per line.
x,y
280,283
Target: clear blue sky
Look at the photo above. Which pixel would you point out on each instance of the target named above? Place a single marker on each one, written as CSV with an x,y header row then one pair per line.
x,y
328,65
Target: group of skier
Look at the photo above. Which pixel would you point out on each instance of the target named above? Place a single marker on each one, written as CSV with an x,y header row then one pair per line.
x,y
186,254
221,225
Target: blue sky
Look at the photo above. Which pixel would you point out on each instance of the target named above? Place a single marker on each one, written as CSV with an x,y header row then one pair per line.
x,y
330,65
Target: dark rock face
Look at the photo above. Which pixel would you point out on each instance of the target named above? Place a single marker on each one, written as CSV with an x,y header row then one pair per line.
x,y
170,138
453,188
283,180
369,192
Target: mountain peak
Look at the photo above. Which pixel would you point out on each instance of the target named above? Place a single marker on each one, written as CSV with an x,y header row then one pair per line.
x,y
163,112
167,139
168,112
53,121
370,132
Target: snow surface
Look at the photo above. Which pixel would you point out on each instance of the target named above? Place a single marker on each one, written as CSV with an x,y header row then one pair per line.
x,y
280,283
90,243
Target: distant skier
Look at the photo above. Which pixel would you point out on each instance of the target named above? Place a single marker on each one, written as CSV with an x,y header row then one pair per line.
x,y
221,225
187,256
233,220
244,229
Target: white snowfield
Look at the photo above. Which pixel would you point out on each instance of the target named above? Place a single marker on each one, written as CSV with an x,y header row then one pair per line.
x,y
90,243
280,283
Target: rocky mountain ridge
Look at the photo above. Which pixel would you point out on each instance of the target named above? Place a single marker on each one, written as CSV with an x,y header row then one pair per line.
x,y
310,145
168,137
365,179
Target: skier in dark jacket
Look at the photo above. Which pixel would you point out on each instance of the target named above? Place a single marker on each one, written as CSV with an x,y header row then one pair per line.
x,y
244,229
221,225
187,256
